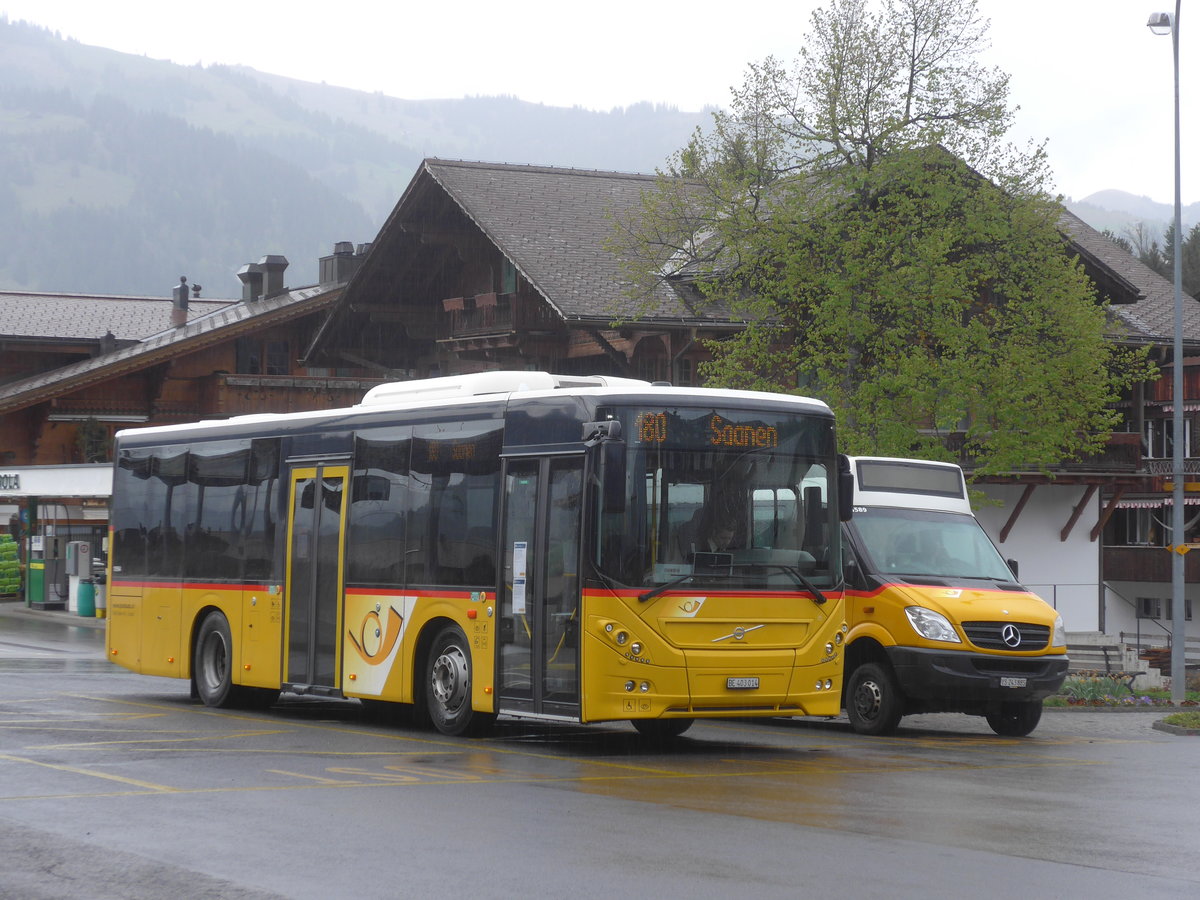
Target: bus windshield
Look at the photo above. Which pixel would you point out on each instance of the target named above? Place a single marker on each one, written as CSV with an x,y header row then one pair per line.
x,y
724,498
927,543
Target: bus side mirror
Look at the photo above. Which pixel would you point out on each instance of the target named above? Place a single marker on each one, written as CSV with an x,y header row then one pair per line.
x,y
845,479
612,477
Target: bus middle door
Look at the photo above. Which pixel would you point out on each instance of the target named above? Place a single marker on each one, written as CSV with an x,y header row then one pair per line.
x,y
313,590
539,601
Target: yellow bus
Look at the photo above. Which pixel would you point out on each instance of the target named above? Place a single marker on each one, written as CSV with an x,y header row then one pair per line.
x,y
938,621
504,543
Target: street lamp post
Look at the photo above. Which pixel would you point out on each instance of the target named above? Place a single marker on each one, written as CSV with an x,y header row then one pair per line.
x,y
1165,23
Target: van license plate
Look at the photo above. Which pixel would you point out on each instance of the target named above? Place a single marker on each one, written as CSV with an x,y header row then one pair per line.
x,y
1009,681
742,684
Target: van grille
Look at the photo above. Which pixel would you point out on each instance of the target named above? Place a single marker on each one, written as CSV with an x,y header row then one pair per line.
x,y
990,635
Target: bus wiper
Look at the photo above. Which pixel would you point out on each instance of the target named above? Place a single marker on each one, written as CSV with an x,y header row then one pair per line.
x,y
800,577
665,586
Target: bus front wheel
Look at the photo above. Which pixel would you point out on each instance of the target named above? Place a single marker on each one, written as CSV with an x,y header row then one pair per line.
x,y
212,669
874,703
448,685
1015,719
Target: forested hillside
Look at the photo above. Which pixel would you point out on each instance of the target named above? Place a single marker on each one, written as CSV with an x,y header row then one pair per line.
x,y
120,173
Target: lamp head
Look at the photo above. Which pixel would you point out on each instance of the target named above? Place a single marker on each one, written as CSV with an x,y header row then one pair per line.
x,y
1160,23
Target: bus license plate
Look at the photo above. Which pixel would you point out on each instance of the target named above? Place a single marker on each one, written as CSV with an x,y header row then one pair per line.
x,y
1010,681
742,684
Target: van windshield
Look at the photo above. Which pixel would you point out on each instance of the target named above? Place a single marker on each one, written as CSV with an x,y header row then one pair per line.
x,y
927,543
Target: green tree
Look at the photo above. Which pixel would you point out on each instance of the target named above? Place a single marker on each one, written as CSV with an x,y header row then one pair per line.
x,y
888,251
1190,255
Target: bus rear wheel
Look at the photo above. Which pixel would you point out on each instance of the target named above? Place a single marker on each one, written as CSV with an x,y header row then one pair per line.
x,y
874,703
1015,719
448,685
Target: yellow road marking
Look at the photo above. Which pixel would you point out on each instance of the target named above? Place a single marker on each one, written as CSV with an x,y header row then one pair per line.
x,y
133,782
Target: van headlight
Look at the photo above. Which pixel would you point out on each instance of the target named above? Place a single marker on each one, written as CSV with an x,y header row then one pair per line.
x,y
932,626
1059,638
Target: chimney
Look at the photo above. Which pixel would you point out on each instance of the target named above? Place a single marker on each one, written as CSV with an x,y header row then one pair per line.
x,y
251,275
179,303
272,268
341,266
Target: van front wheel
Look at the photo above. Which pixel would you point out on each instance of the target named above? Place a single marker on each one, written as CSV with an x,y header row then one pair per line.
x,y
874,703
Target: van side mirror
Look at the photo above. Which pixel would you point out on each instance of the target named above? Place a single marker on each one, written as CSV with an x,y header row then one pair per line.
x,y
1012,564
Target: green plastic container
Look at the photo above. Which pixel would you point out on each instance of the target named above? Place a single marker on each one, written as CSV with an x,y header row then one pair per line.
x,y
35,591
87,599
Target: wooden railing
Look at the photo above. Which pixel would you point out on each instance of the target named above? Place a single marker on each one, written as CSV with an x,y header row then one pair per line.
x,y
497,314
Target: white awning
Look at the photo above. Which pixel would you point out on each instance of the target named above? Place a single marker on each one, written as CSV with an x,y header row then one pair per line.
x,y
1154,502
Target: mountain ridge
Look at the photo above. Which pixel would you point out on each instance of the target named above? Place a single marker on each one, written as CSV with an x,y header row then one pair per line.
x,y
119,173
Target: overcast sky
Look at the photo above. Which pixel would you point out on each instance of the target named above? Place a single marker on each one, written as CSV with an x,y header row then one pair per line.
x,y
1087,74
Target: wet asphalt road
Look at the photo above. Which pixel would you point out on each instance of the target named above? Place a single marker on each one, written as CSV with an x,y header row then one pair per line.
x,y
117,785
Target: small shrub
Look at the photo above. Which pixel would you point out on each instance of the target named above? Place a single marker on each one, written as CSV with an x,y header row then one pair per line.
x,y
1184,719
1093,689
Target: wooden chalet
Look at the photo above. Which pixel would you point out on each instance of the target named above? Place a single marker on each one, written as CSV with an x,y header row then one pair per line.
x,y
484,266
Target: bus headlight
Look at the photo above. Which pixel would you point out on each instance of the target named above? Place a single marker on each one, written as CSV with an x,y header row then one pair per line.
x,y
1059,638
932,626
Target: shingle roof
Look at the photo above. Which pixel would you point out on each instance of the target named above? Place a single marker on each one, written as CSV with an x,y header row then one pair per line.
x,y
208,328
554,225
1152,318
88,316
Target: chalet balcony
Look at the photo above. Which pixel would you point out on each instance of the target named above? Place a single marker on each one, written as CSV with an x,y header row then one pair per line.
x,y
1146,563
486,315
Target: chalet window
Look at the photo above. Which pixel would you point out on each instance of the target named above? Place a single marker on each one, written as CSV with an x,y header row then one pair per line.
x,y
1169,609
650,368
1135,528
508,278
1159,438
686,372
1149,607
1162,608
259,357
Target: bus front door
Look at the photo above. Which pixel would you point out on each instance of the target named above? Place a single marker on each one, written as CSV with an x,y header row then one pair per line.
x,y
312,592
539,600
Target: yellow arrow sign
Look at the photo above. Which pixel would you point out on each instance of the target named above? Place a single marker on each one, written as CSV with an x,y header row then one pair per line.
x,y
1181,549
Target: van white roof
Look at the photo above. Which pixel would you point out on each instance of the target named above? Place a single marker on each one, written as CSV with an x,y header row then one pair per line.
x,y
909,484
